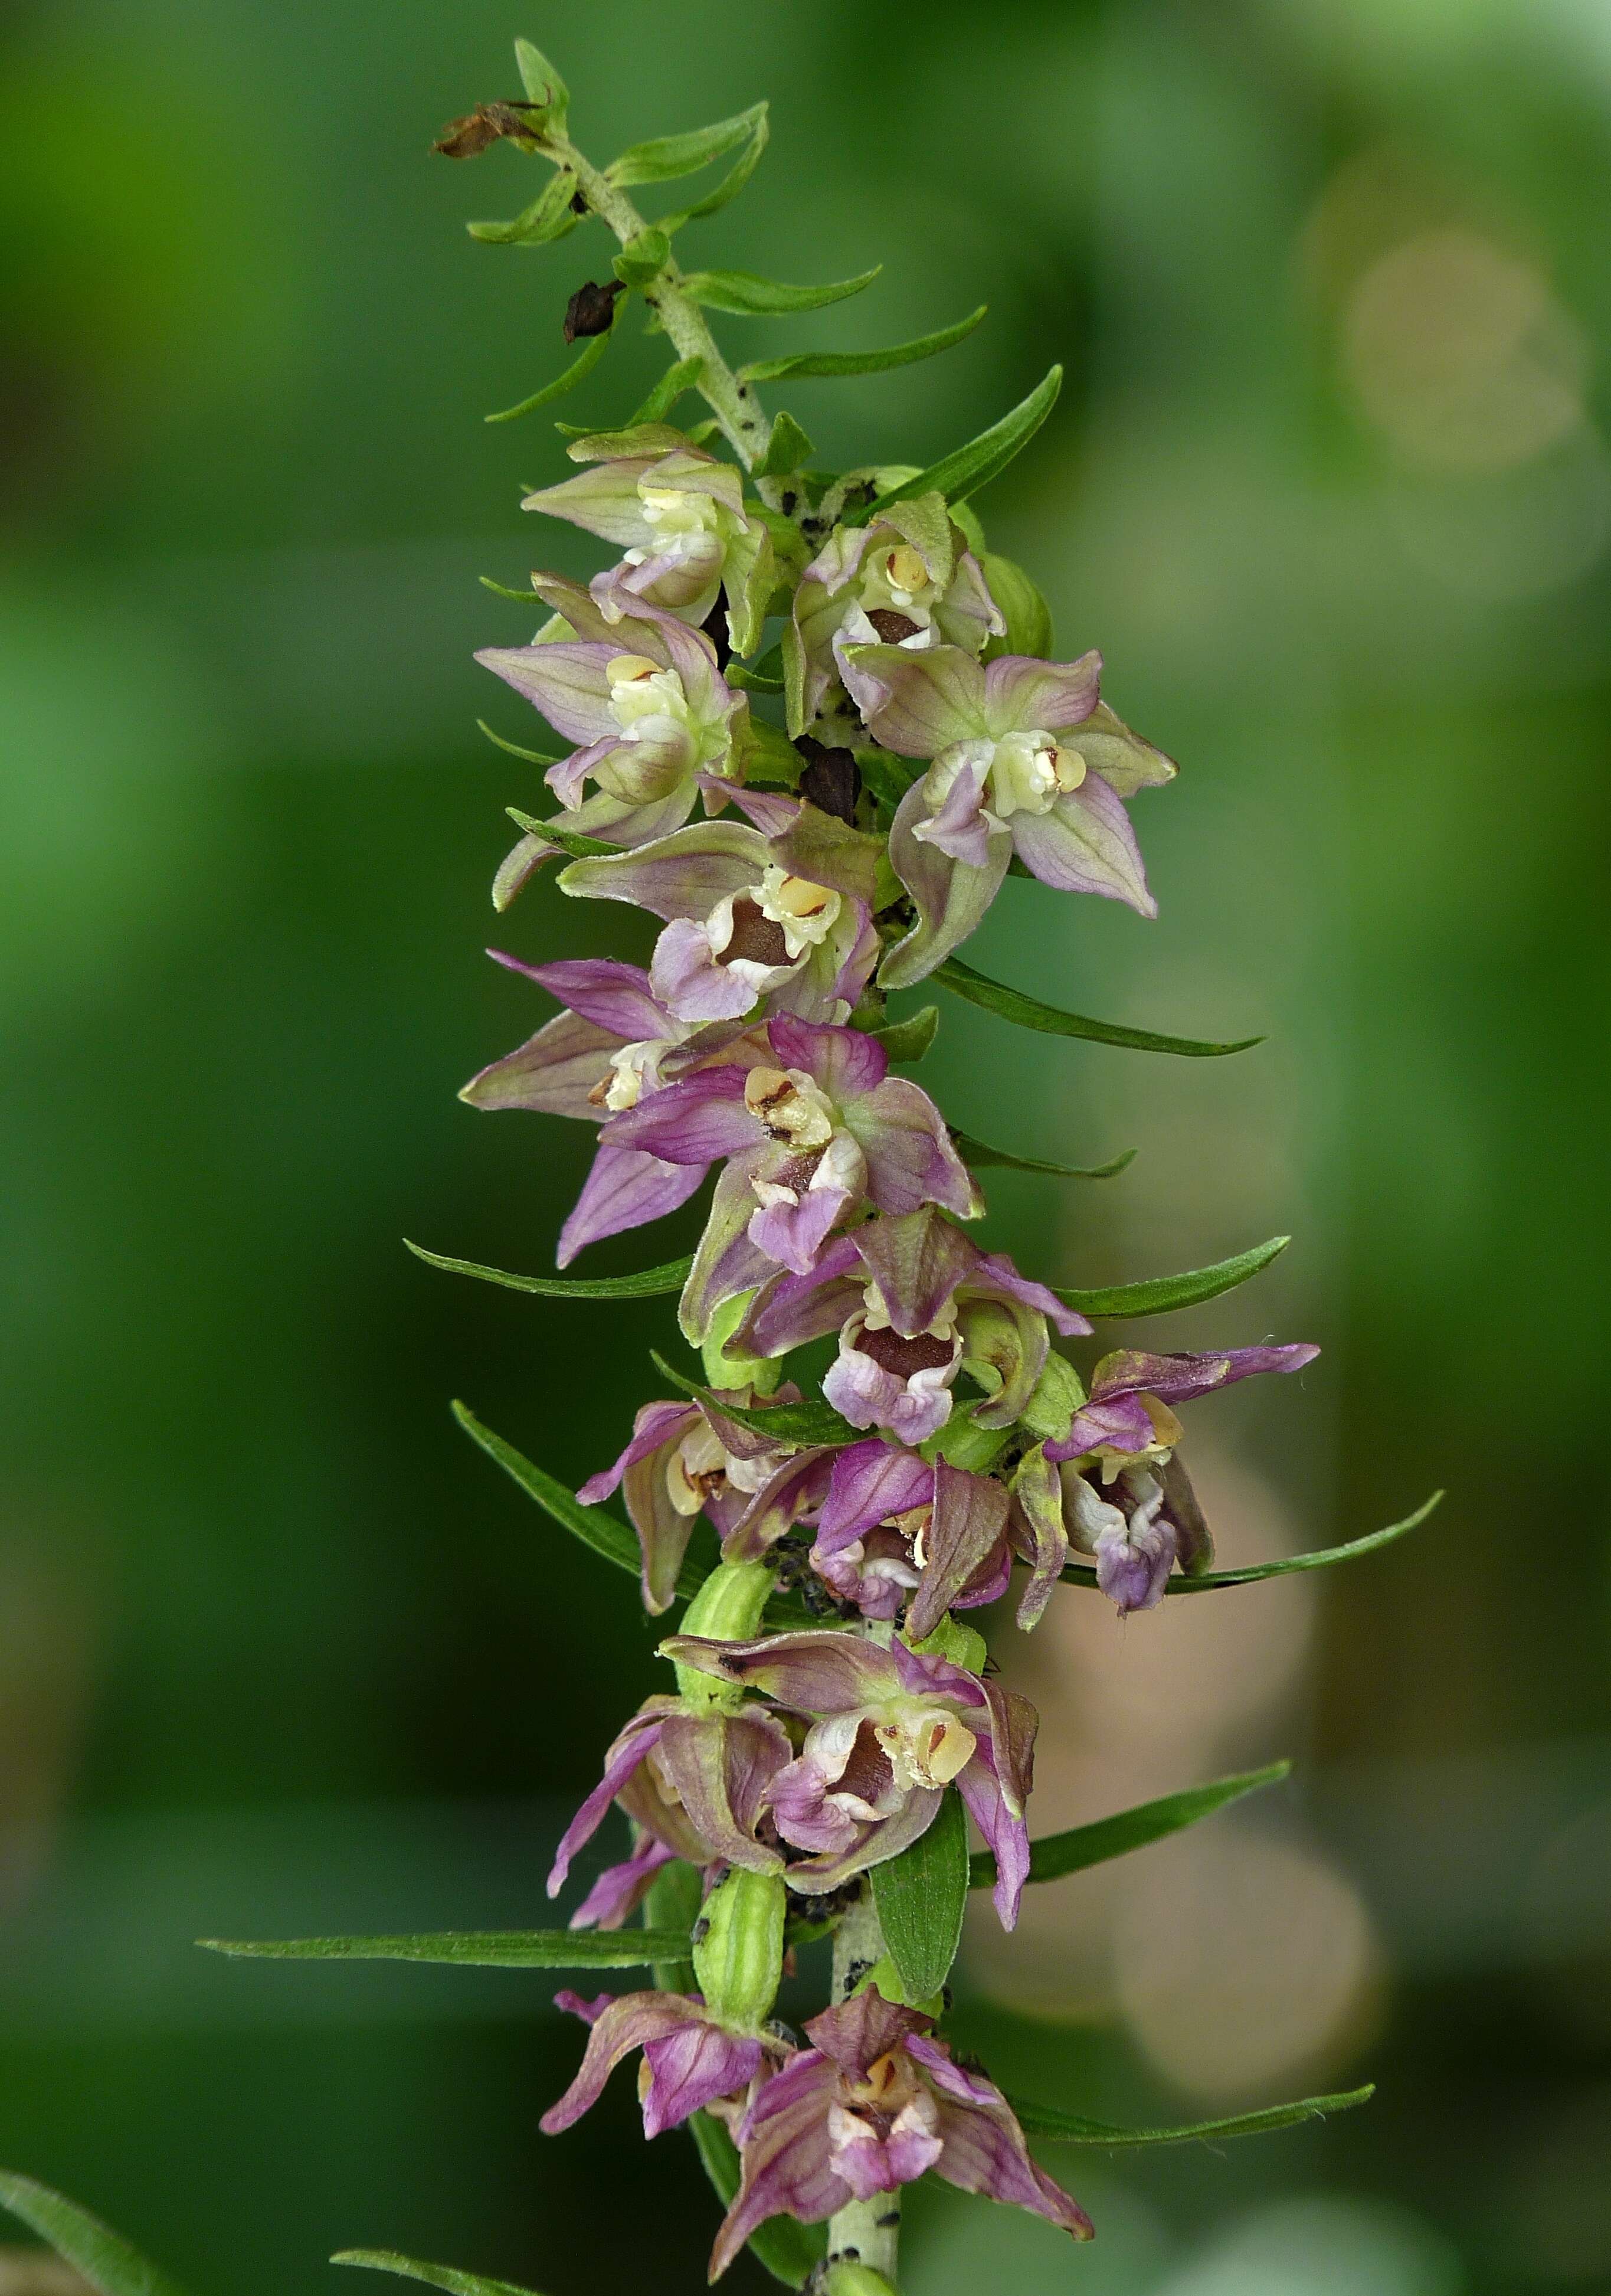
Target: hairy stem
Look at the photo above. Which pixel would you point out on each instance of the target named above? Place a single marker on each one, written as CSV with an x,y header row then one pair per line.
x,y
867,2231
733,402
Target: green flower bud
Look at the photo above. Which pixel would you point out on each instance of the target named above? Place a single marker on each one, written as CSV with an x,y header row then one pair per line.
x,y
1059,1394
738,1955
1027,614
759,1374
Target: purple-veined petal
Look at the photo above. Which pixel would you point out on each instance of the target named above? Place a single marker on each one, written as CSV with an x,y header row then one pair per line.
x,y
784,2149
1174,1378
655,1425
725,1263
1022,695
625,1188
691,981
620,1889
968,1529
612,995
846,1063
861,1391
791,1309
1037,1491
1119,1423
556,1071
984,2148
1124,761
916,1259
682,875
995,1272
870,1481
767,810
632,1747
697,1121
605,501
958,826
640,2020
567,682
910,1160
917,704
567,777
1007,1836
626,821
720,1765
520,865
1085,845
883,1840
794,1235
815,1671
1133,1562
951,898
690,2067
778,1506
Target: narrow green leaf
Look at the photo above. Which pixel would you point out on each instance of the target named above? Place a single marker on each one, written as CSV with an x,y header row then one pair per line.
x,y
797,1425
829,363
790,2251
1068,2128
584,849
1029,1012
1058,1854
1162,1295
472,1948
957,475
103,2255
673,1903
906,1041
643,258
519,598
666,157
1079,1574
666,392
549,217
513,749
437,2276
595,1529
580,367
921,1897
749,295
731,183
788,450
648,1283
977,1152
540,80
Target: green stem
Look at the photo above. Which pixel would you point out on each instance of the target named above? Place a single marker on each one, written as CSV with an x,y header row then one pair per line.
x,y
867,2231
733,402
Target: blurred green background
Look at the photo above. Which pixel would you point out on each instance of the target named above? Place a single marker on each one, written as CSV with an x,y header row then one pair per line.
x,y
1328,484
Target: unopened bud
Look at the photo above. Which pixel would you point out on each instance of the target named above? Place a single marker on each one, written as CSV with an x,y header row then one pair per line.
x,y
739,1960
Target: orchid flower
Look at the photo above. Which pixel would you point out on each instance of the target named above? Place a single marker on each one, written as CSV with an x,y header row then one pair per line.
x,y
818,1132
1146,1519
875,2102
680,515
614,1042
1003,780
913,1302
682,1461
903,579
890,1730
691,2058
694,1777
644,697
898,1531
786,917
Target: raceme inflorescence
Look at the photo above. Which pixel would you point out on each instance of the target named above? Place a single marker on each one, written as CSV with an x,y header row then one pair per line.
x,y
815,724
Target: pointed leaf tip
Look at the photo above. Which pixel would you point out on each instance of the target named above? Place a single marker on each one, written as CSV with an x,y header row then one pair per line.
x,y
1029,1012
438,2275
1163,1295
1069,2129
648,1283
1056,1855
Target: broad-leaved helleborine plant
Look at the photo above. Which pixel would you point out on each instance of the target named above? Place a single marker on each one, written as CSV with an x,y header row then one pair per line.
x,y
814,725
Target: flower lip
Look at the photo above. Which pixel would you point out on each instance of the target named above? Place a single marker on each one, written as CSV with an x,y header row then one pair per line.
x,y
902,1357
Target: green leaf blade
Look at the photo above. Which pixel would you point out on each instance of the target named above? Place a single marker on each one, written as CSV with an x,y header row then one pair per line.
x,y
1029,1012
821,364
731,183
1165,1295
472,1948
435,2276
979,1152
1046,2121
747,295
1056,1855
647,1284
1321,1559
683,376
963,472
104,2257
921,1897
664,157
580,368
799,1425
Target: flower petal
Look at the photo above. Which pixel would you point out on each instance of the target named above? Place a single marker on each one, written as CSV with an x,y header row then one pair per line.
x,y
1022,695
1085,845
870,1481
910,1160
625,1188
620,1889
555,1071
968,1527
682,875
919,703
785,2151
631,1749
812,1672
567,682
612,995
791,1309
984,2147
697,1121
916,1261
950,897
